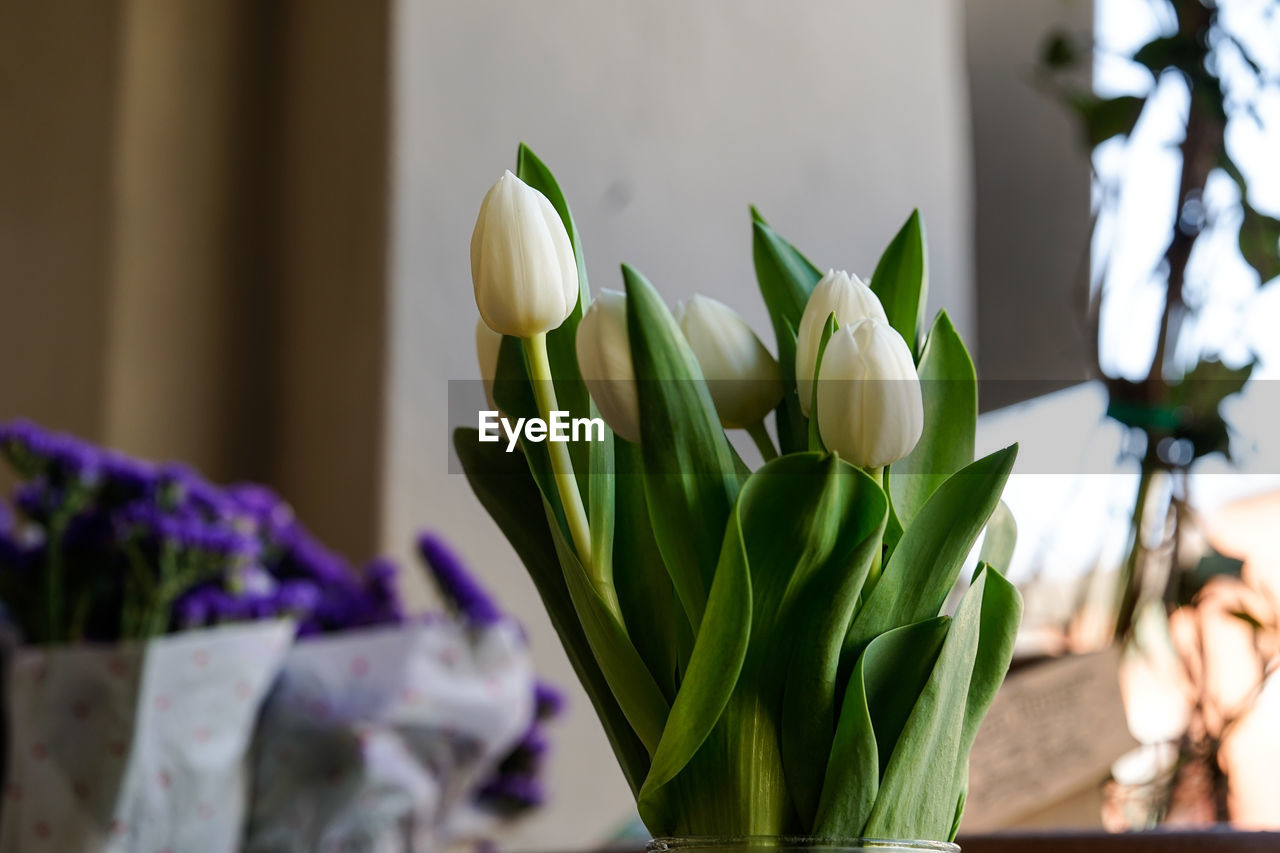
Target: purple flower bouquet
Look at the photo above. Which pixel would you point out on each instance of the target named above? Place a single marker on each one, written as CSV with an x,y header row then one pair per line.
x,y
154,680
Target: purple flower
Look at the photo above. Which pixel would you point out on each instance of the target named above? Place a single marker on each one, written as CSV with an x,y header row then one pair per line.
x,y
548,700
18,552
34,451
297,598
304,556
192,610
125,479
183,488
380,577
526,757
512,793
456,583
264,506
37,500
208,605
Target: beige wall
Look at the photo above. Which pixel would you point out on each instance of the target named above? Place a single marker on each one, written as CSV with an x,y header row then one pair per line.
x,y
55,171
1031,214
193,238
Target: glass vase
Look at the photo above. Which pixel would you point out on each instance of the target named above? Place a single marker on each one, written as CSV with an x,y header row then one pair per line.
x,y
793,844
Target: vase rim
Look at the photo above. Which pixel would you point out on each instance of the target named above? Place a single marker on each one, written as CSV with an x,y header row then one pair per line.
x,y
663,844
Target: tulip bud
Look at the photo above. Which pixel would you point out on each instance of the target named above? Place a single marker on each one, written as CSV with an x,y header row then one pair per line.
x,y
604,358
522,263
488,345
741,375
837,293
869,406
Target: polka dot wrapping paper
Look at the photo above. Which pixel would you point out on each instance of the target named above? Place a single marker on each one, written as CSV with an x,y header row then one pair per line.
x,y
137,746
374,740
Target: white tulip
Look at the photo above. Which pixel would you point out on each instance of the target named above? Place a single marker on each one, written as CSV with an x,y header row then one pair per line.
x,y
741,375
869,406
522,263
604,358
488,345
839,293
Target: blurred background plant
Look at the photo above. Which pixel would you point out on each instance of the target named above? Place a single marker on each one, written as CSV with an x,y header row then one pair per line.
x,y
1205,73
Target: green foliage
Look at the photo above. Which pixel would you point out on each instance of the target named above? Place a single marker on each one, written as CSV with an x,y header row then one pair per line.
x,y
815,438
786,278
691,479
949,388
1260,242
1104,118
1060,52
901,280
1211,565
506,490
758,672
928,766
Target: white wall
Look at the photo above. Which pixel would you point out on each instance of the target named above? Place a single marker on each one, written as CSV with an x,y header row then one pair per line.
x,y
663,120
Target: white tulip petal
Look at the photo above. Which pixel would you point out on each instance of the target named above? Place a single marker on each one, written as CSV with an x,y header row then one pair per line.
x,y
741,375
870,408
604,358
522,262
839,293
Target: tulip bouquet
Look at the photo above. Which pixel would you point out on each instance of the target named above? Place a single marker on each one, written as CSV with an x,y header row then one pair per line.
x,y
766,649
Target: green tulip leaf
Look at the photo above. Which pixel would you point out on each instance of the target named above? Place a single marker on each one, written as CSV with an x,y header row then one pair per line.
x,y
502,483
926,775
808,524
834,515
1000,540
654,619
634,687
691,478
601,507
949,387
886,682
815,437
786,278
789,417
714,666
901,280
923,568
960,801
852,778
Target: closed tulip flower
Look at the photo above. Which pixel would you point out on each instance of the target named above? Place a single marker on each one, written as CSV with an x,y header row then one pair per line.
x,y
604,358
522,263
488,345
839,293
741,375
869,406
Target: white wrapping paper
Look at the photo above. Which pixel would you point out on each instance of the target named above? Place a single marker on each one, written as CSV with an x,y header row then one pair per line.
x,y
139,746
374,740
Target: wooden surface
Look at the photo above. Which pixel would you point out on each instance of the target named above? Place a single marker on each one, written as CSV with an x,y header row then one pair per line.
x,y
1145,842
1211,841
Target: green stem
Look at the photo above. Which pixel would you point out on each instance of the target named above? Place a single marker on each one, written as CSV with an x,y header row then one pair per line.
x,y
535,350
873,574
760,435
54,578
139,587
156,615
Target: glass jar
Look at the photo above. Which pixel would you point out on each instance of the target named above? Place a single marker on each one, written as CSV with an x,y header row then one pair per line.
x,y
792,844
